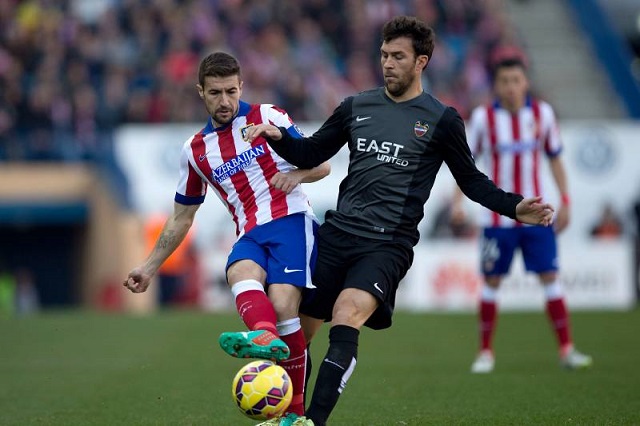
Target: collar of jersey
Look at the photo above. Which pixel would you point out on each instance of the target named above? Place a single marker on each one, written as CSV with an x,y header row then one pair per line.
x,y
411,101
243,110
527,102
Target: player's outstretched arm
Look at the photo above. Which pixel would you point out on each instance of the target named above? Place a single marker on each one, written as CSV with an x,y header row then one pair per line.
x,y
173,232
534,212
308,152
562,218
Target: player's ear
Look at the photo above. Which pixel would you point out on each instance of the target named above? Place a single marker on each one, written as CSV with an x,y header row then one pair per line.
x,y
200,91
421,62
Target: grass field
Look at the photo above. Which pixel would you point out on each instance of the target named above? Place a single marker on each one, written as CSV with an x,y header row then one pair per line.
x,y
76,368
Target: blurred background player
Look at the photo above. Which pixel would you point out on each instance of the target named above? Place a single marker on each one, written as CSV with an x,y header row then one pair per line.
x,y
511,135
269,264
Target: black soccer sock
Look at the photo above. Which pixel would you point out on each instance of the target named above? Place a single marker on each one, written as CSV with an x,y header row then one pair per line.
x,y
335,370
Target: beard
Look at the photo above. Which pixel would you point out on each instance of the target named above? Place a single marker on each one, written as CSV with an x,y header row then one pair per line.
x,y
222,118
398,86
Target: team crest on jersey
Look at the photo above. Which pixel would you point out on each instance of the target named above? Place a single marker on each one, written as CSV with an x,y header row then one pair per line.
x,y
420,128
243,131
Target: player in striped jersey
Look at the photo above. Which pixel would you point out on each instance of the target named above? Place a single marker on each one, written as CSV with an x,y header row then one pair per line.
x,y
511,136
270,263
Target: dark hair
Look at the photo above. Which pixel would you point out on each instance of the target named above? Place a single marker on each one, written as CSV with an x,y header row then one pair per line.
x,y
218,64
508,62
422,36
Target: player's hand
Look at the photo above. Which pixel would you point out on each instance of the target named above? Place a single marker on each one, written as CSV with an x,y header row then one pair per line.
x,y
265,130
138,280
533,212
562,219
286,181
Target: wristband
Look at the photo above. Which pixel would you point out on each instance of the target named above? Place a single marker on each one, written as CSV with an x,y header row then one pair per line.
x,y
564,198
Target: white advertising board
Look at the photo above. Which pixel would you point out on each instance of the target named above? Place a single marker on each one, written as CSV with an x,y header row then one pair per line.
x,y
602,165
445,277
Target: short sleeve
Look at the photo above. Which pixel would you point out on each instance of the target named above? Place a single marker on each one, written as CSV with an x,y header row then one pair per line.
x,y
280,118
551,134
191,187
476,130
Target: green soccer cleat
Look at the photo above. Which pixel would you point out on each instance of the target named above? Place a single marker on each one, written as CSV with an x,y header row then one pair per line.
x,y
261,344
289,419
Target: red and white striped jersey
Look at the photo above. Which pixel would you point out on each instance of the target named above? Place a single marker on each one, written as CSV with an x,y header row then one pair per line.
x,y
238,171
508,148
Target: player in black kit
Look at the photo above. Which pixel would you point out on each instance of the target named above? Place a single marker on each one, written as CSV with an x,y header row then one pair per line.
x,y
398,137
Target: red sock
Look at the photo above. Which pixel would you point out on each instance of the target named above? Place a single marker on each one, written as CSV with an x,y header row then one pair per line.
x,y
296,366
488,313
256,310
557,312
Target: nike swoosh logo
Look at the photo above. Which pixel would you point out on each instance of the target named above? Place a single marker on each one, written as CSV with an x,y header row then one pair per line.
x,y
288,271
378,288
202,157
358,118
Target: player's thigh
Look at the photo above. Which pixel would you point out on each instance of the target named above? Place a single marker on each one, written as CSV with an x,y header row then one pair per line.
x,y
292,250
539,249
376,269
247,260
330,269
497,248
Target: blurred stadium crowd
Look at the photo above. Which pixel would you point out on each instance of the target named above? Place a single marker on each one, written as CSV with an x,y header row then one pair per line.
x,y
71,71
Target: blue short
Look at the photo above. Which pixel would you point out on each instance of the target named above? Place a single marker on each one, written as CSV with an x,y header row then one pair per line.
x,y
538,245
285,248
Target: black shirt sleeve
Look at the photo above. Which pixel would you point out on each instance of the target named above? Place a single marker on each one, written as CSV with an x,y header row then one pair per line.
x,y
475,184
312,151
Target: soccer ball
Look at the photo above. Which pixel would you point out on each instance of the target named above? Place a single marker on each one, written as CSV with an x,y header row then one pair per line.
x,y
262,390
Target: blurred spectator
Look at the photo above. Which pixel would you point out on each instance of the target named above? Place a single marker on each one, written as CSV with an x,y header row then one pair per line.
x,y
450,222
26,298
609,225
73,70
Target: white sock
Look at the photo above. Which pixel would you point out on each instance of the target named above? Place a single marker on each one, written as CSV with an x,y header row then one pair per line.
x,y
488,293
246,285
553,291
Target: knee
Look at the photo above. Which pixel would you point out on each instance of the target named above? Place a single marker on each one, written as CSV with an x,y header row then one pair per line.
x,y
285,308
354,307
245,270
349,313
344,315
547,278
493,281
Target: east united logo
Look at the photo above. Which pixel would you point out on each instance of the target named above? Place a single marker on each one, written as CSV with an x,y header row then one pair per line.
x,y
420,128
243,131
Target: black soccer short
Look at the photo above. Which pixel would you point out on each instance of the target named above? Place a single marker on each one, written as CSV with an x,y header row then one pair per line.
x,y
350,261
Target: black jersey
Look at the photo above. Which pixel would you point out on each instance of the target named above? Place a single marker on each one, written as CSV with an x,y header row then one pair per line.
x,y
396,150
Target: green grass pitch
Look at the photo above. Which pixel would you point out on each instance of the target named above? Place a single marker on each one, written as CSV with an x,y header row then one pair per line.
x,y
78,368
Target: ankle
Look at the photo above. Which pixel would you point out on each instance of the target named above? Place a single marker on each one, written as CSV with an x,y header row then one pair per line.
x,y
566,349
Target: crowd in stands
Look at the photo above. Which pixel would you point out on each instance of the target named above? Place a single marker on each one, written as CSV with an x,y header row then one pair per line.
x,y
71,71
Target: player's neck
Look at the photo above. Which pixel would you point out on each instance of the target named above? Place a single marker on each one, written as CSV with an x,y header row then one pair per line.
x,y
217,125
512,107
411,93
